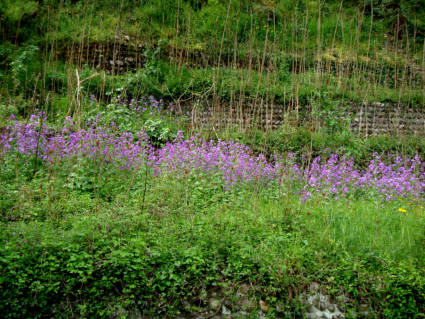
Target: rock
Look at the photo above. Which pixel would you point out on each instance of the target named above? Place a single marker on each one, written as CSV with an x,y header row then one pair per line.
x,y
280,307
214,303
315,301
244,289
323,302
246,303
320,306
264,306
311,309
225,311
314,287
227,302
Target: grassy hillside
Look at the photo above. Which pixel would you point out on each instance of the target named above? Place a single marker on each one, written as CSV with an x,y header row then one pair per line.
x,y
116,201
272,50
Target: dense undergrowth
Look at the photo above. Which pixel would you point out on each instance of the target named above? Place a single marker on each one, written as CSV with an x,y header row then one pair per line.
x,y
279,51
115,228
115,204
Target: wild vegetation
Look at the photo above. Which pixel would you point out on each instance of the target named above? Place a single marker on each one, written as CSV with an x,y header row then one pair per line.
x,y
120,198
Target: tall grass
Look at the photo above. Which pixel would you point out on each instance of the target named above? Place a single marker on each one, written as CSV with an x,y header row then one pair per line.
x,y
284,54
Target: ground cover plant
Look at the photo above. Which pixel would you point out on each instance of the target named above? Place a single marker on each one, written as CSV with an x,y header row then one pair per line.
x,y
212,159
115,224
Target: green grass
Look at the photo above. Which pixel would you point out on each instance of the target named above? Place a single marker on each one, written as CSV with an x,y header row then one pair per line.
x,y
81,241
72,248
360,63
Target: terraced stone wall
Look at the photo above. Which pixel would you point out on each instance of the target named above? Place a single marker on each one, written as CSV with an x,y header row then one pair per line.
x,y
367,118
379,118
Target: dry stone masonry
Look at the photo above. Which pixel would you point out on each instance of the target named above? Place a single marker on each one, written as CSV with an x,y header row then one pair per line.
x,y
123,54
115,56
379,118
366,118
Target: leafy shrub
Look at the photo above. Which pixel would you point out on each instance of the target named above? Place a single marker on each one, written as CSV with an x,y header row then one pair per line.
x,y
24,68
158,132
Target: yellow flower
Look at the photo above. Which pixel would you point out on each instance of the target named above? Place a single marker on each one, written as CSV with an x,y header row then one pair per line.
x,y
401,210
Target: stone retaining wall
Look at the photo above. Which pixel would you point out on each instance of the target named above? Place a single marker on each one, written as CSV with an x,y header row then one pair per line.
x,y
115,57
379,118
367,118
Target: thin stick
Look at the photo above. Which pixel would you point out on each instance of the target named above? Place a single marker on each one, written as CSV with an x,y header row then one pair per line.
x,y
145,185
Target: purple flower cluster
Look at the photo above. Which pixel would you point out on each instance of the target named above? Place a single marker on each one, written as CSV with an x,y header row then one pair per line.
x,y
102,144
338,177
235,163
98,144
28,137
5,141
146,104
